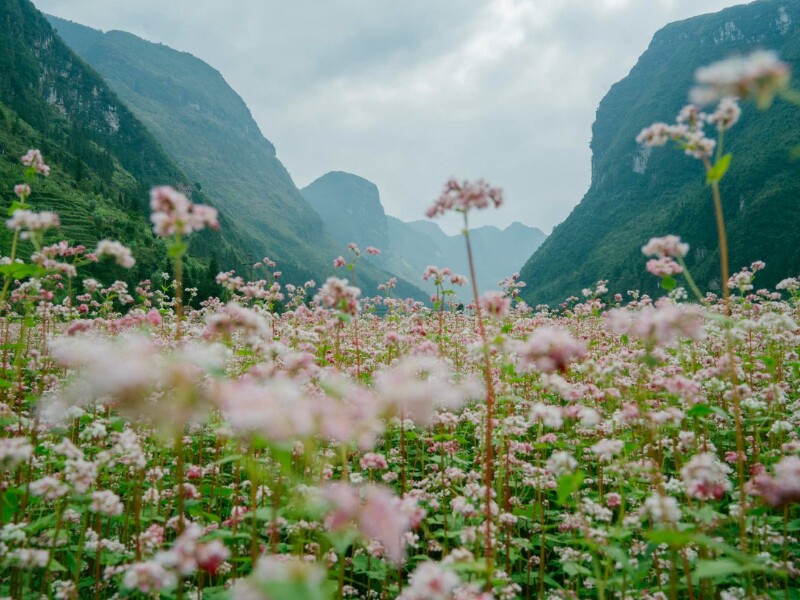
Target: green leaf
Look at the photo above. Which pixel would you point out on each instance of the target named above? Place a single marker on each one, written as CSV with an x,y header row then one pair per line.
x,y
671,537
793,525
19,270
717,172
474,566
177,250
720,413
668,283
569,484
56,566
11,498
297,590
197,511
721,567
699,410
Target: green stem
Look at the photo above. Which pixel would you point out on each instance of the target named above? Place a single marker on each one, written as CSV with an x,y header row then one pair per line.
x,y
490,400
690,280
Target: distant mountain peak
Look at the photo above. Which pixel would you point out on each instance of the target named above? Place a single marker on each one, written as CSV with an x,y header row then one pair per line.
x,y
350,206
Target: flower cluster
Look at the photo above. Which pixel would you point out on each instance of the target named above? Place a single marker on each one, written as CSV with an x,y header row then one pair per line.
x,y
464,196
173,213
759,75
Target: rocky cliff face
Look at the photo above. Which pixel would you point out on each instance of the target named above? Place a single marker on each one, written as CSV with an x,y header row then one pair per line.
x,y
638,193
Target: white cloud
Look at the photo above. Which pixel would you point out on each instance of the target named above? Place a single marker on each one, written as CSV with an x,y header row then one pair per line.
x,y
408,93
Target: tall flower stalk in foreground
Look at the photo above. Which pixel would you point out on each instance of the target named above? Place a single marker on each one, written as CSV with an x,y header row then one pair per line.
x,y
760,76
174,217
34,165
462,197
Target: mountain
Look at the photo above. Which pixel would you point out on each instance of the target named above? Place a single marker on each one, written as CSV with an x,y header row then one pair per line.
x,y
636,193
209,131
352,210
498,253
104,160
359,219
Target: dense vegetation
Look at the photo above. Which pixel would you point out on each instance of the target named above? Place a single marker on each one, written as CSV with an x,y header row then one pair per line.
x,y
104,156
636,194
326,452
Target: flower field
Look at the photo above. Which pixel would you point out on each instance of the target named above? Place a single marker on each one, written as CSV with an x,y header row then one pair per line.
x,y
288,442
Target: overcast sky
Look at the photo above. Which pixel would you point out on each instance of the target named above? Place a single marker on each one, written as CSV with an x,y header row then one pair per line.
x,y
409,92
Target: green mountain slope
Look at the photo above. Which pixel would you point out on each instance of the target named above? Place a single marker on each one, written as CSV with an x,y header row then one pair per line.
x,y
104,160
352,210
636,194
207,128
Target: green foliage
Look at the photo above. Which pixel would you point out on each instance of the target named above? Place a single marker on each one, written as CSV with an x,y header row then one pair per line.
x,y
637,194
104,160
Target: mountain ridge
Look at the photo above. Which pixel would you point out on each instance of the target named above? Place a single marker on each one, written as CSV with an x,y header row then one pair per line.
x,y
209,130
351,206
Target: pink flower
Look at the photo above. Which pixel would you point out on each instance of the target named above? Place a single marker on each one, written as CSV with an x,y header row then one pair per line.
x,y
463,196
339,262
759,75
687,133
106,502
372,460
194,472
121,254
726,115
669,245
784,487
211,555
658,326
373,251
148,578
30,222
663,267
174,213
22,190
705,477
382,519
657,134
33,158
495,304
431,581
154,317
13,451
204,216
550,349
338,294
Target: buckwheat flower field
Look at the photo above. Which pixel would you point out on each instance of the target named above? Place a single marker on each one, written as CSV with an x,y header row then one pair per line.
x,y
354,445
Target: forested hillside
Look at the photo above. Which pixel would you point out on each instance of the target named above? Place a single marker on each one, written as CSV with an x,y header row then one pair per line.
x,y
104,160
637,193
